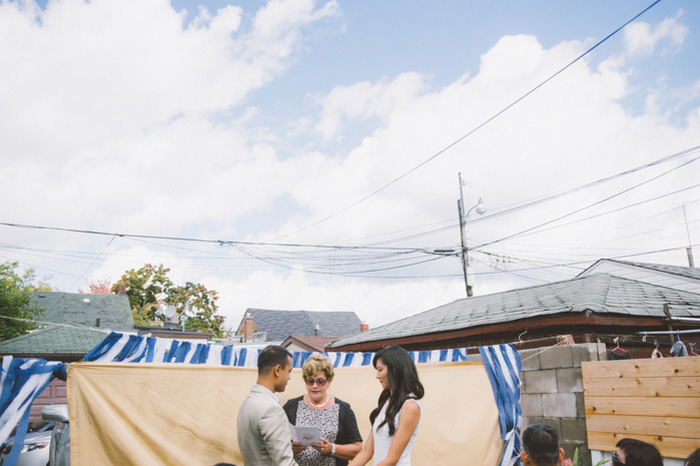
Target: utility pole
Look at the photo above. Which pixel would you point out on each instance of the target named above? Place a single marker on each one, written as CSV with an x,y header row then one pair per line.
x,y
480,209
465,259
689,249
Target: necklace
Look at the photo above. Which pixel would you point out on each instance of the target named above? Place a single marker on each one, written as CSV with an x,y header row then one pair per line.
x,y
308,399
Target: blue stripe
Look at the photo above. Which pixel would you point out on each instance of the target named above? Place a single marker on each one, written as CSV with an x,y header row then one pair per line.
x,y
102,347
226,354
182,351
171,352
457,355
424,356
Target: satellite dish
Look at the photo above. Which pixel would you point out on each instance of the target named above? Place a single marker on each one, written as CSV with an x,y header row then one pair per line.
x,y
170,312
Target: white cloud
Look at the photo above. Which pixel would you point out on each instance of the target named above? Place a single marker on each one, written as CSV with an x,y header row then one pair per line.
x,y
642,39
117,117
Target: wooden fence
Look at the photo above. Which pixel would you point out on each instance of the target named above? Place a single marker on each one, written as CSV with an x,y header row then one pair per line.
x,y
654,400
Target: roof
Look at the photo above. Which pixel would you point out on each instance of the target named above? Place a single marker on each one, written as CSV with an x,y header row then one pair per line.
x,y
681,271
53,340
598,293
280,324
112,310
308,343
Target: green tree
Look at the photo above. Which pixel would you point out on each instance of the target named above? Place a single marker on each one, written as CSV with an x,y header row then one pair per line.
x,y
17,311
146,288
149,287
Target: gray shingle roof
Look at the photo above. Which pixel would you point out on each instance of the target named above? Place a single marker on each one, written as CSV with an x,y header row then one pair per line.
x,y
113,310
53,340
689,272
280,324
599,293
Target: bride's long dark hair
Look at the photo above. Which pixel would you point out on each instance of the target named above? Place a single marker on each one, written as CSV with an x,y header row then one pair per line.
x,y
403,384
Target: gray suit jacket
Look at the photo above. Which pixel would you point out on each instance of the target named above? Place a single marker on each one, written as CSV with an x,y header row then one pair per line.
x,y
263,432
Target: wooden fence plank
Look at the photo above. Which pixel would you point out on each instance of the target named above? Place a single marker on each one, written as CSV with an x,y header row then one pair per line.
x,y
670,447
637,386
644,425
667,367
649,406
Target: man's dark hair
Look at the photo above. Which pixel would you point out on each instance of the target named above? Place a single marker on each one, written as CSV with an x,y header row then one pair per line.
x,y
693,459
640,453
270,356
541,443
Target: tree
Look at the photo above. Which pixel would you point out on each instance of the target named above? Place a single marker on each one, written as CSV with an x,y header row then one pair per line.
x,y
97,287
17,310
149,287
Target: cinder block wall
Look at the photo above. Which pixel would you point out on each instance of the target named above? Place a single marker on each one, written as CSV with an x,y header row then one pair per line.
x,y
552,392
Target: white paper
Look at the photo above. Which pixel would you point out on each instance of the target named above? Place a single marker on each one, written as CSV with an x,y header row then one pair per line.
x,y
305,435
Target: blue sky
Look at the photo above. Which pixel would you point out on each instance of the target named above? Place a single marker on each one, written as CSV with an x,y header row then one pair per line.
x,y
319,124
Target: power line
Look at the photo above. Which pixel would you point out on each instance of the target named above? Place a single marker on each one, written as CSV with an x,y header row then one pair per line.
x,y
474,130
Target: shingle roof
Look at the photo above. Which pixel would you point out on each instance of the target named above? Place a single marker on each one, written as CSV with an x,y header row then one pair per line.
x,y
689,272
53,340
113,310
314,343
280,324
599,293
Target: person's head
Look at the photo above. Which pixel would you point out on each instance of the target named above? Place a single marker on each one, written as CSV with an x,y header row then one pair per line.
x,y
693,459
635,452
274,367
397,372
318,374
541,446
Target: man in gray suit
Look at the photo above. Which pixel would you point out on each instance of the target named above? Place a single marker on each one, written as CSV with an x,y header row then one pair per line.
x,y
263,428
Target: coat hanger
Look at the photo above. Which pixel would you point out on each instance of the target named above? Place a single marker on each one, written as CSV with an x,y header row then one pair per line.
x,y
693,349
617,340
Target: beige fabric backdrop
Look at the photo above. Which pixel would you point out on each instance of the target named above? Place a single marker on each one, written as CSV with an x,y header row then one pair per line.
x,y
171,414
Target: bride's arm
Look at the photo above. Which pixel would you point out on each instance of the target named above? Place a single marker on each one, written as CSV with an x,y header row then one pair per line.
x,y
365,454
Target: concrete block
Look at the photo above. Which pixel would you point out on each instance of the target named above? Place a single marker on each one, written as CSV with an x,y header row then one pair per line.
x,y
574,429
569,380
531,405
475,357
581,353
556,357
559,405
540,382
528,421
530,360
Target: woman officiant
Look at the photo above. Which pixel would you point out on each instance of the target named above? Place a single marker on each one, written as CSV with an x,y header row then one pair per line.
x,y
340,437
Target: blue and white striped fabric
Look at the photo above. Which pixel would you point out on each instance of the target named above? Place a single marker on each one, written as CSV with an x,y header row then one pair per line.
x,y
22,380
118,347
503,366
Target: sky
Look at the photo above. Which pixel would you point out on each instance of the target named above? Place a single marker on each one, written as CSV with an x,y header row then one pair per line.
x,y
301,155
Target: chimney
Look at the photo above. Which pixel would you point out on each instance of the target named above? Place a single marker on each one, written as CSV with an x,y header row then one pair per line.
x,y
121,289
248,327
364,327
316,329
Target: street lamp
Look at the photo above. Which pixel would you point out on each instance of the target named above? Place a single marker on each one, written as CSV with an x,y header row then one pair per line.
x,y
480,209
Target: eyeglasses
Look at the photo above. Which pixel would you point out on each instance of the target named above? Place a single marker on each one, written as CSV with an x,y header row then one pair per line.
x,y
616,461
319,382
